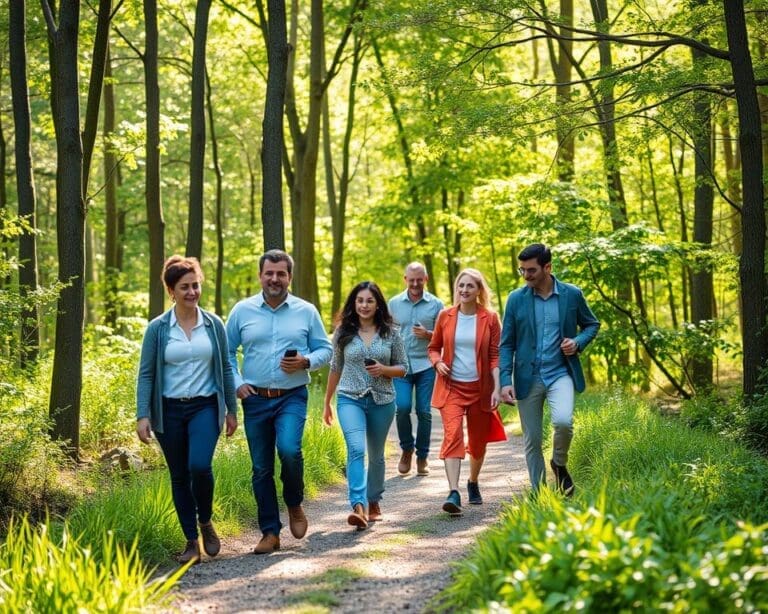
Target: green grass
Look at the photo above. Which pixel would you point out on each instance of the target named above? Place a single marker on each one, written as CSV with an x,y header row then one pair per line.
x,y
324,590
665,519
40,573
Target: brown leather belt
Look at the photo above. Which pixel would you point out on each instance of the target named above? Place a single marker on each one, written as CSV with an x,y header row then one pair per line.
x,y
273,393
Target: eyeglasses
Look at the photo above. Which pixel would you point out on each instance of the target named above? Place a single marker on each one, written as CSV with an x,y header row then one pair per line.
x,y
525,272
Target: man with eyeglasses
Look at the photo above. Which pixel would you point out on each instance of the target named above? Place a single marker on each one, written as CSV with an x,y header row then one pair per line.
x,y
547,323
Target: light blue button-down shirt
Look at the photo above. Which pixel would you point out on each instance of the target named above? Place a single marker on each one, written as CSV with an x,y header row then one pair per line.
x,y
406,313
188,362
265,333
550,360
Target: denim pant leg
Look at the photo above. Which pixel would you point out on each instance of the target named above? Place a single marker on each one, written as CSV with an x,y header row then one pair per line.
x,y
404,387
290,418
260,432
379,419
352,420
561,398
425,382
203,431
184,429
531,410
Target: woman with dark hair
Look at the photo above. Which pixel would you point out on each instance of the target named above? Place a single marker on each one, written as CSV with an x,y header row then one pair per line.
x,y
464,350
367,353
185,393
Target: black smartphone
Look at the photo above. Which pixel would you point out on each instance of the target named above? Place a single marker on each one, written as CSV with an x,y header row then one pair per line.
x,y
369,361
290,353
417,323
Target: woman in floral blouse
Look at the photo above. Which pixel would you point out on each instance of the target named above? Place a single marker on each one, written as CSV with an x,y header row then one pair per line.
x,y
367,353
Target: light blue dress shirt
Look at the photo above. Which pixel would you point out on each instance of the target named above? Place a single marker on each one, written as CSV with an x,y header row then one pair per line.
x,y
550,360
406,313
188,362
265,333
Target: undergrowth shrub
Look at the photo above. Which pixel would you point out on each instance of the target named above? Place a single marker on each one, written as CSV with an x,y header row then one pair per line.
x,y
39,573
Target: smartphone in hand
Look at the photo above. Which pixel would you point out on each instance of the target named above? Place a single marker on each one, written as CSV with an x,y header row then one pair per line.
x,y
417,323
369,361
290,353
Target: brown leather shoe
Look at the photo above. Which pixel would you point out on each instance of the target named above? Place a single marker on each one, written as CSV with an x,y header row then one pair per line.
x,y
374,511
268,543
404,466
422,466
191,553
358,518
211,541
298,521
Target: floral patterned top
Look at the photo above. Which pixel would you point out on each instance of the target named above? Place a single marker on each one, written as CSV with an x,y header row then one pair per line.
x,y
355,382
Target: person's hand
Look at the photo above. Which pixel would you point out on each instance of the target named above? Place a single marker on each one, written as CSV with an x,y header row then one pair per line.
x,y
495,398
508,394
328,414
231,424
291,364
421,332
144,430
376,369
442,369
569,347
244,391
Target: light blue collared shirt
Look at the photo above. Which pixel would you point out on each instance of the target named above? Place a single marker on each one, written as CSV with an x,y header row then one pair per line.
x,y
550,360
188,362
265,333
406,313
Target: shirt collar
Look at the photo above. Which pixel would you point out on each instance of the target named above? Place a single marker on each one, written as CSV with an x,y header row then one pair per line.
x,y
426,296
555,288
199,318
260,302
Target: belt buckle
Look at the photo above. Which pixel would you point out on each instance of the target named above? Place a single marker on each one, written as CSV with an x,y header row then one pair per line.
x,y
270,391
185,399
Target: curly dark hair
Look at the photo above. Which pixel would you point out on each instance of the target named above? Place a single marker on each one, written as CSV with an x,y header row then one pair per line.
x,y
348,322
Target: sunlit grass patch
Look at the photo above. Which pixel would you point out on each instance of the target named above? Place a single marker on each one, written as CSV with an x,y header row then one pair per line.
x,y
44,574
325,589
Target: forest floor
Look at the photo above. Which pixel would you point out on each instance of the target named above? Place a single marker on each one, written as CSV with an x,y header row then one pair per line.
x,y
400,563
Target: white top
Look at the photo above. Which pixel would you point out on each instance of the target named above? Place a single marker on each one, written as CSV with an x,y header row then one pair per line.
x,y
188,362
464,367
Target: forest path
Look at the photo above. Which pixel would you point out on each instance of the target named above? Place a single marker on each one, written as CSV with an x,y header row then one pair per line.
x,y
400,563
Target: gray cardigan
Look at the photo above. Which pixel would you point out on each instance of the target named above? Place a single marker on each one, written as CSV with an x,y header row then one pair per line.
x,y
149,383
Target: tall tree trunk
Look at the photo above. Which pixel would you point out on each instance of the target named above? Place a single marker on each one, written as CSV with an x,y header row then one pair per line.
x,y
111,217
155,222
754,289
25,181
273,143
197,132
66,385
702,286
218,302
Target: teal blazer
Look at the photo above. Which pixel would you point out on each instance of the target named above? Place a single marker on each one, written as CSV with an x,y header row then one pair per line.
x,y
517,350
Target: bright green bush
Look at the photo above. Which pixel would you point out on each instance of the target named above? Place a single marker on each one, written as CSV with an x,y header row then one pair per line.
x,y
657,525
40,574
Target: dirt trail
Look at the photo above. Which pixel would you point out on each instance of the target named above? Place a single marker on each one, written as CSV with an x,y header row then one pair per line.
x,y
398,564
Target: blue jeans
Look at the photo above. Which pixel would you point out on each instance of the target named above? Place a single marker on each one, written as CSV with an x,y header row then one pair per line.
x,y
560,396
363,421
188,440
269,423
421,383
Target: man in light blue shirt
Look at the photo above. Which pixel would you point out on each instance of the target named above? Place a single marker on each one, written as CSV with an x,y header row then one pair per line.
x,y
415,310
547,323
283,339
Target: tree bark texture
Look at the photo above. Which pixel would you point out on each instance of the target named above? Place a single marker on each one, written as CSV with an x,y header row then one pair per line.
x,y
111,217
273,139
25,182
197,132
155,222
754,289
64,406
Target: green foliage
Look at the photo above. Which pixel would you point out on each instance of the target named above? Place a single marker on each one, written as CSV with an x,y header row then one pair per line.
x,y
662,522
43,574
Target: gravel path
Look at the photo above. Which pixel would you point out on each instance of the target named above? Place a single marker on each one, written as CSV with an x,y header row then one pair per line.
x,y
399,563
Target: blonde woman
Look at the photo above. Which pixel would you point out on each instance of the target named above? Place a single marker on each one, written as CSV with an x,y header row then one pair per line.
x,y
464,351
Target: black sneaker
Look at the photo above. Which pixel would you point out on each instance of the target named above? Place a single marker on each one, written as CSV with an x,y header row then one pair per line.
x,y
452,504
563,479
473,488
